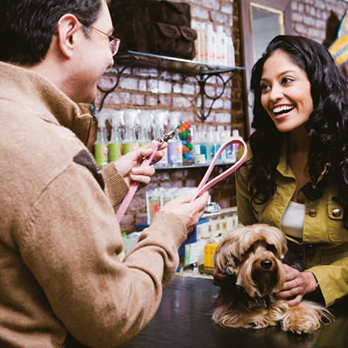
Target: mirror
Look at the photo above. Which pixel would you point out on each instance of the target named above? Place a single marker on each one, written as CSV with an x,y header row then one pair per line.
x,y
266,24
261,21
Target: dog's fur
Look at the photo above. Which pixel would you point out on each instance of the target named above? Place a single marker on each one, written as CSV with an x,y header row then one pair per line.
x,y
252,257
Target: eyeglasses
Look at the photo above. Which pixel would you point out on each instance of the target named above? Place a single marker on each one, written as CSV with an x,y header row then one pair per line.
x,y
114,43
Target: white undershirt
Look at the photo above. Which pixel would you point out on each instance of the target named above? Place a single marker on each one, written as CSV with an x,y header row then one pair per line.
x,y
293,220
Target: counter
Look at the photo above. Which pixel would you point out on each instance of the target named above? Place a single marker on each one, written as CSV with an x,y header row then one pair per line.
x,y
183,321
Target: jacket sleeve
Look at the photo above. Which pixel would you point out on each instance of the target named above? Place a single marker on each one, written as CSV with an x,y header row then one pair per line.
x,y
333,280
115,187
245,214
72,244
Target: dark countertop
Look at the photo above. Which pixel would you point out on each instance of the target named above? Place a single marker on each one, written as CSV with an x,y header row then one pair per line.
x,y
183,321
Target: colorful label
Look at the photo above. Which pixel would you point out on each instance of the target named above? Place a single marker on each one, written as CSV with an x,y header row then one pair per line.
x,y
210,152
128,147
102,154
115,151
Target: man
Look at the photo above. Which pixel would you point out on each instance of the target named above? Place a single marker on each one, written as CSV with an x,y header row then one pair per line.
x,y
61,278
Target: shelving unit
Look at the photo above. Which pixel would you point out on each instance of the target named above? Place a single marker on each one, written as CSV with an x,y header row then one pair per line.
x,y
201,71
190,166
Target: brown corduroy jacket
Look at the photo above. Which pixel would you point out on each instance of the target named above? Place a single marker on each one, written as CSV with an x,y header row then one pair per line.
x,y
60,242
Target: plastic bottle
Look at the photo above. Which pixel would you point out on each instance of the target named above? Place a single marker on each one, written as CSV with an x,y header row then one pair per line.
x,y
146,119
115,143
229,152
101,147
130,142
198,156
235,135
203,143
211,39
220,47
211,144
174,151
230,54
160,118
219,136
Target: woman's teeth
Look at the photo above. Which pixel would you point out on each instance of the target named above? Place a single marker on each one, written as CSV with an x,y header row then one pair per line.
x,y
282,110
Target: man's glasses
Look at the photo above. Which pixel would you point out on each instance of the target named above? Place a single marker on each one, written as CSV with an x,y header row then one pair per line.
x,y
114,43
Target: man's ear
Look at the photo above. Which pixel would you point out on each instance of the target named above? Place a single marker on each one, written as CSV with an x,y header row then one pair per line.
x,y
68,26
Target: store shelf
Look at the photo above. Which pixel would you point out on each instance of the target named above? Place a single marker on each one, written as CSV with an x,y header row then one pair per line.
x,y
201,71
189,166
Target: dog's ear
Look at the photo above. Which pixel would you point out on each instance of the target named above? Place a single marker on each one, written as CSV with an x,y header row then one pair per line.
x,y
223,258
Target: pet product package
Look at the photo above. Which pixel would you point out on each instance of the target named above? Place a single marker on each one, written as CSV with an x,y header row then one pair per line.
x,y
152,26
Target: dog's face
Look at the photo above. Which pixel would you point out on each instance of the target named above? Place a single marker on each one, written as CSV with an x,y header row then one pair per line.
x,y
253,254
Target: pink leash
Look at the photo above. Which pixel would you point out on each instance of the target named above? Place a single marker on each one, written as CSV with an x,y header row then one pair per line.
x,y
203,186
134,185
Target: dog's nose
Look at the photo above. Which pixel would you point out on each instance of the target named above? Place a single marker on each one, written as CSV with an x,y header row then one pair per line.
x,y
266,264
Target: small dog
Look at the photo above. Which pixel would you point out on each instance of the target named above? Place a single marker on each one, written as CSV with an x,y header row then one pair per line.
x,y
252,257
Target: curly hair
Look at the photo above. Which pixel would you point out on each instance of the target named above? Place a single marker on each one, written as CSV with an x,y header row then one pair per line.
x,y
326,127
27,26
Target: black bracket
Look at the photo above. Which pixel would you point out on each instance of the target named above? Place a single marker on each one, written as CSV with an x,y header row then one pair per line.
x,y
202,80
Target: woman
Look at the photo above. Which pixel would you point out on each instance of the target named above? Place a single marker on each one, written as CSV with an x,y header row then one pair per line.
x,y
296,173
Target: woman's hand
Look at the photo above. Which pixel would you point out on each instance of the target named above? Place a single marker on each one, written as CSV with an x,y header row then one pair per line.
x,y
297,284
219,278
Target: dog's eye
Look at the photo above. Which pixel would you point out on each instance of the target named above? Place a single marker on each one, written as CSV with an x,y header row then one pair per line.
x,y
271,247
234,259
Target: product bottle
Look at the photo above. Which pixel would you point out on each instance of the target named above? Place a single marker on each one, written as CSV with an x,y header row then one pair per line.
x,y
115,143
229,152
174,151
101,147
235,135
211,38
160,118
219,136
130,142
144,135
211,144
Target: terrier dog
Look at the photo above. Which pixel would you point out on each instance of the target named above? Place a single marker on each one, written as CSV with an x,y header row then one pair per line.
x,y
252,257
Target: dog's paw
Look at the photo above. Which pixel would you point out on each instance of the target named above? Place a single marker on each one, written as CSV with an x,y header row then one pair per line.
x,y
305,318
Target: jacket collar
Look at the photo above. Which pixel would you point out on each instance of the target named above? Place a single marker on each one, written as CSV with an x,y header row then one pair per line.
x,y
41,95
284,169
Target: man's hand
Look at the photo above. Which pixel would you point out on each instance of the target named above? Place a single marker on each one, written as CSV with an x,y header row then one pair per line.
x,y
188,213
129,165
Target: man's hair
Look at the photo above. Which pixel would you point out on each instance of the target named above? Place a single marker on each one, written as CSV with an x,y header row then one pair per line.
x,y
27,26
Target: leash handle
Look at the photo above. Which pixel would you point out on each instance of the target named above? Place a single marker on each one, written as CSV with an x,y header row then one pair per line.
x,y
155,144
204,186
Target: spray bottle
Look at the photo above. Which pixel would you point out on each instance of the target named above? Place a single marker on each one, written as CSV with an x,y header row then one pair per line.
x,y
101,147
160,120
115,143
130,141
144,135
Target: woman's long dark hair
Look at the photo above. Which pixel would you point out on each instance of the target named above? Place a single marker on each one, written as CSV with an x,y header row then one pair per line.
x,y
326,127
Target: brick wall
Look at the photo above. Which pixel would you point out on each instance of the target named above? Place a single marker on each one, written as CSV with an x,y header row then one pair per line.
x,y
152,88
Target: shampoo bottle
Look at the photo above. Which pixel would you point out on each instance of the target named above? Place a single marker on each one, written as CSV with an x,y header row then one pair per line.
x,y
101,147
115,143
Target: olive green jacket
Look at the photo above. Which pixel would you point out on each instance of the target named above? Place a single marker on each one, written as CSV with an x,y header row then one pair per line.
x,y
324,248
